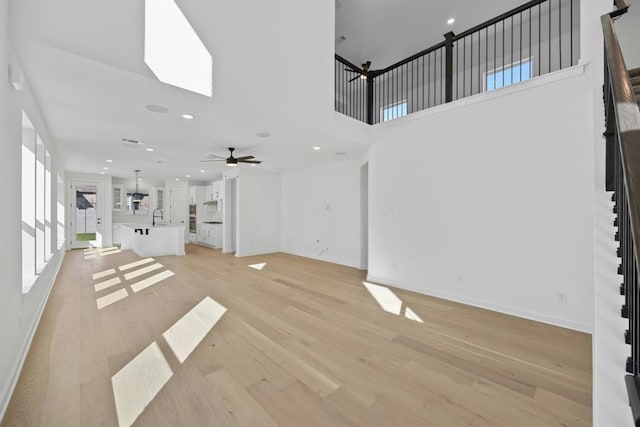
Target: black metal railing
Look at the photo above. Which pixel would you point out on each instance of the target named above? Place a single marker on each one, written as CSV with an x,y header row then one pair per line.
x,y
536,38
622,119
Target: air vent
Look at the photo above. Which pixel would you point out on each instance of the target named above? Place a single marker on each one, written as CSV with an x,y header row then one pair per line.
x,y
131,142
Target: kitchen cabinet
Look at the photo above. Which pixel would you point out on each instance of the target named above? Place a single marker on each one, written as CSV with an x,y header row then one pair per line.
x,y
158,198
218,190
209,193
116,234
210,235
116,199
196,194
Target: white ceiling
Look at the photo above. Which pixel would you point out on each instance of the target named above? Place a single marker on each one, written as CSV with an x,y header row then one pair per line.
x,y
272,72
385,32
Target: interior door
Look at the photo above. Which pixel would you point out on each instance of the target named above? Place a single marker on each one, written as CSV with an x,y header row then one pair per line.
x,y
87,209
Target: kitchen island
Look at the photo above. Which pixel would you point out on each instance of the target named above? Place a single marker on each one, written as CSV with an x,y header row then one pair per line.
x,y
147,240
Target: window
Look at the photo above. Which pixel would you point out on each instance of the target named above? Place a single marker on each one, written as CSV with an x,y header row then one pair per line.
x,y
60,211
28,203
36,204
508,75
173,50
394,111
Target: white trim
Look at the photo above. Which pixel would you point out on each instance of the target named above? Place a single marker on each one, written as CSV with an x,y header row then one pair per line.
x,y
7,393
244,254
325,259
538,317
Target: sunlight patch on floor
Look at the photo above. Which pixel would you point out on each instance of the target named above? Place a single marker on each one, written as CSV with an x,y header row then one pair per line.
x,y
135,264
152,280
138,383
389,301
111,298
141,271
104,273
259,266
107,284
185,335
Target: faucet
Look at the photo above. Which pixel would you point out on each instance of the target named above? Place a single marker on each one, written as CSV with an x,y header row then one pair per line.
x,y
154,216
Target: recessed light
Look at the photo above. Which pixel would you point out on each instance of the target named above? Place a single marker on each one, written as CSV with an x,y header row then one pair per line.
x,y
157,108
451,21
263,134
149,149
177,179
101,173
187,176
139,179
316,148
202,170
109,161
188,116
105,168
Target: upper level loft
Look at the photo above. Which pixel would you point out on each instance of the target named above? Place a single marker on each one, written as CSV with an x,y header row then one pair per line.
x,y
537,38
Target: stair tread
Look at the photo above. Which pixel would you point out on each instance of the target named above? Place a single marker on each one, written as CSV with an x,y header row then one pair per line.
x,y
634,73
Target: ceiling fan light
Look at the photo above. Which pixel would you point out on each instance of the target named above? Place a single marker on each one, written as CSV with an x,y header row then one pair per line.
x,y
232,165
363,76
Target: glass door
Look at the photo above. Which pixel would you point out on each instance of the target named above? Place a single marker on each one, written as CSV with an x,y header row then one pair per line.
x,y
86,219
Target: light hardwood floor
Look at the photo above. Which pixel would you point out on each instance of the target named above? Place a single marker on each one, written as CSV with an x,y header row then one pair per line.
x,y
301,343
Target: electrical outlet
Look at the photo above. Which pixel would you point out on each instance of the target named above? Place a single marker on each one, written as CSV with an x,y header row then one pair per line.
x,y
562,297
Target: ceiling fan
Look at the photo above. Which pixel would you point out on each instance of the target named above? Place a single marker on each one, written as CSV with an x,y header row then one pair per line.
x,y
363,73
232,161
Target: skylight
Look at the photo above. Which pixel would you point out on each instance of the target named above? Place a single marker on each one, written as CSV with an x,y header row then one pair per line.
x,y
173,50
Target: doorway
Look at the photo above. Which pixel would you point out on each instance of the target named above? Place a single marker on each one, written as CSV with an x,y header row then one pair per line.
x,y
364,216
230,218
87,209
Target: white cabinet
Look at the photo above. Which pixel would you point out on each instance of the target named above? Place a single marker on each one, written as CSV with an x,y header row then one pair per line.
x,y
218,190
116,199
192,195
196,195
158,198
116,234
209,193
216,231
210,235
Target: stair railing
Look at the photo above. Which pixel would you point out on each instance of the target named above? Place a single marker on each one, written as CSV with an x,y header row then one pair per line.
x,y
622,132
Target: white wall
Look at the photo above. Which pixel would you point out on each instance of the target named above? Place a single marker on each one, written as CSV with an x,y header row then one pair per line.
x,y
321,213
491,204
258,208
19,313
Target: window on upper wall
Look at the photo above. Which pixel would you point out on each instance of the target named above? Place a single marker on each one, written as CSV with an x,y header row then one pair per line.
x,y
36,204
60,210
394,111
508,75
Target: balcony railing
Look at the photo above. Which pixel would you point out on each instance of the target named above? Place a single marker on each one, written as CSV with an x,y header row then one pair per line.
x,y
536,38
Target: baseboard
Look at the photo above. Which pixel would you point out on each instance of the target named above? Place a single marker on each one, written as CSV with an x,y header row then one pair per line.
x,y
19,363
326,259
538,317
255,253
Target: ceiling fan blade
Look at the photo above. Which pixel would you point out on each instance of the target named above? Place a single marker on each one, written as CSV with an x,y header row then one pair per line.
x,y
213,160
351,71
256,162
355,78
244,158
217,157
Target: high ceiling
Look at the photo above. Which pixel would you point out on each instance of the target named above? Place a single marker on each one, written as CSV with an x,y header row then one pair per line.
x,y
385,32
272,72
